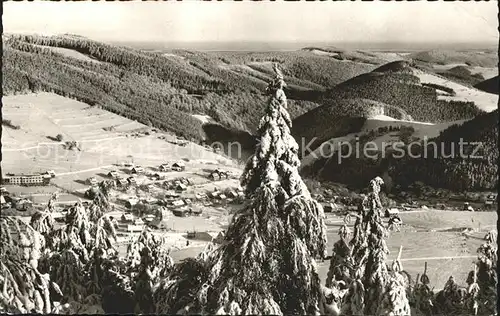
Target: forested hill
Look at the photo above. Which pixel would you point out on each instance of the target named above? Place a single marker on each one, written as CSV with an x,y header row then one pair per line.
x,y
396,84
475,168
165,89
440,165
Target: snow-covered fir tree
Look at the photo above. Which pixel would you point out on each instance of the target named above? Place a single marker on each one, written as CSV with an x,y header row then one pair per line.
x,y
266,264
360,264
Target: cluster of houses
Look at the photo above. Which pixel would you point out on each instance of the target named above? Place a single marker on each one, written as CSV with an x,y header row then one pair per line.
x,y
218,174
19,203
179,184
187,211
181,207
121,181
178,205
155,219
177,166
217,196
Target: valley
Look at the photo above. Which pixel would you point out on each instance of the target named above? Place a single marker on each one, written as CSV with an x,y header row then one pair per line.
x,y
148,135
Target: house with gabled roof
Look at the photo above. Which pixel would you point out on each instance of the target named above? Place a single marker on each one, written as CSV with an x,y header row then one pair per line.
x,y
137,170
131,202
164,167
158,176
121,182
51,173
214,194
178,203
232,194
179,166
92,181
113,174
182,212
127,218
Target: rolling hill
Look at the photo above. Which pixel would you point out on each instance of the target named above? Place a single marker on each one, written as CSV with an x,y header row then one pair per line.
x,y
473,167
217,96
465,67
396,90
490,85
462,74
400,86
441,165
487,58
164,89
338,118
385,104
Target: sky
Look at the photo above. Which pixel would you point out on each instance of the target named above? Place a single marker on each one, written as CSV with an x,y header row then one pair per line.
x,y
226,21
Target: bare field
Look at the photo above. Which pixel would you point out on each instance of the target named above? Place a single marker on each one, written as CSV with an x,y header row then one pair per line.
x,y
447,253
448,220
43,115
434,236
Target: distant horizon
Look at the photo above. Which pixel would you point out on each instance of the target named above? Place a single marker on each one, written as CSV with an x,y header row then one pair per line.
x,y
263,46
297,45
266,22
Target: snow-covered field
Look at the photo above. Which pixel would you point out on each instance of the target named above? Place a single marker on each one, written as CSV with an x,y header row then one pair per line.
x,y
203,118
71,53
173,55
487,72
422,129
485,101
324,53
42,116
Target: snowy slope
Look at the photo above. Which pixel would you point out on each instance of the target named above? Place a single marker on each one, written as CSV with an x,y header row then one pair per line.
x,y
422,129
483,100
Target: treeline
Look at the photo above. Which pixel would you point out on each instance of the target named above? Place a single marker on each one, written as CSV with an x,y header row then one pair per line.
x,y
443,165
147,87
470,166
462,75
335,119
300,67
8,123
148,64
448,90
401,66
347,55
25,72
401,90
488,58
491,85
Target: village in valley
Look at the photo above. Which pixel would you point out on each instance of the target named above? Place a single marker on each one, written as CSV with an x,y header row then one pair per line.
x,y
187,200
168,199
190,202
177,166
158,184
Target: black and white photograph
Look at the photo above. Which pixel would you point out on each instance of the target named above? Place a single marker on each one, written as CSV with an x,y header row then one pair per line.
x,y
249,158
